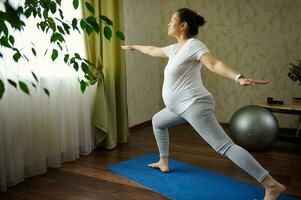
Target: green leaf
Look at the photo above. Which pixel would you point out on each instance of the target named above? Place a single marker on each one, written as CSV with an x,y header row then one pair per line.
x,y
89,7
61,14
59,19
75,66
60,29
72,60
1,56
12,15
34,85
75,3
45,3
83,86
107,32
92,22
46,92
83,24
78,30
45,13
53,7
31,2
52,23
4,41
66,28
74,23
38,25
28,12
106,20
43,25
57,36
39,13
23,87
34,76
59,44
34,51
58,1
66,58
87,61
11,39
17,56
85,68
89,29
120,35
13,83
88,77
2,88
3,27
77,56
47,29
54,54
86,26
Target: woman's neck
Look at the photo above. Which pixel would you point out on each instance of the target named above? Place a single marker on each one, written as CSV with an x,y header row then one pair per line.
x,y
182,39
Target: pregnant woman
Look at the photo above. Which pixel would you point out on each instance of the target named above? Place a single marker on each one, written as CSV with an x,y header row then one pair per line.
x,y
187,100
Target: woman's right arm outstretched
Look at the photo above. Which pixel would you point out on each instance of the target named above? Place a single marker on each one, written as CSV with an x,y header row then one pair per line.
x,y
148,50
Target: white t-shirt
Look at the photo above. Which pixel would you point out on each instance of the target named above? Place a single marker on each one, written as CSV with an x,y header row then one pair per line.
x,y
182,75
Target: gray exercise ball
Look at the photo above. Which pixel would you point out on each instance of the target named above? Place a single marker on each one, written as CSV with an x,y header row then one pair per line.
x,y
253,127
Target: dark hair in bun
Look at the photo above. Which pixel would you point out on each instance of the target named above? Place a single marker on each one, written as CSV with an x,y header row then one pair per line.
x,y
200,20
192,19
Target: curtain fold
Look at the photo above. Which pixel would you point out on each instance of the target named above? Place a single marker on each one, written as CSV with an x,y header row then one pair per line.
x,y
110,110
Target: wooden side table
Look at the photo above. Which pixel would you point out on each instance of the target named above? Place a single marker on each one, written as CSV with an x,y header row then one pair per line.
x,y
287,108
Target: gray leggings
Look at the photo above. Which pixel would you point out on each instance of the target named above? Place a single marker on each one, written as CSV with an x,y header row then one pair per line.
x,y
201,117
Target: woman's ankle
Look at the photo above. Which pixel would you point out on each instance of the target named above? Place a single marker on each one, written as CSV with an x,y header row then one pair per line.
x,y
164,160
269,181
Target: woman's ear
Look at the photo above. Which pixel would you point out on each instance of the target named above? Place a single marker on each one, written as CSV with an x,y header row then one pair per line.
x,y
184,26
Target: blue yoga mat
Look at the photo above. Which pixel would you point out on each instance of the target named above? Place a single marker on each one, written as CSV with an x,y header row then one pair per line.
x,y
185,182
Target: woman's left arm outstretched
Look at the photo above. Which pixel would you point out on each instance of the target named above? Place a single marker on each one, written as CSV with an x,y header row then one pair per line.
x,y
218,67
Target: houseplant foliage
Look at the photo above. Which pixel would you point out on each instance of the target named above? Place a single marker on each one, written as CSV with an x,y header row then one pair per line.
x,y
51,20
295,72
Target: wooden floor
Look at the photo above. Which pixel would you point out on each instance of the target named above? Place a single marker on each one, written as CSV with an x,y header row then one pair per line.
x,y
87,178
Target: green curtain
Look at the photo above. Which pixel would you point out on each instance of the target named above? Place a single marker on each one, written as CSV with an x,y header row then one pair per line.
x,y
110,116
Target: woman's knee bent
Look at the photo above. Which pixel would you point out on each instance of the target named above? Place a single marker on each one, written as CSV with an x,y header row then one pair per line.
x,y
156,121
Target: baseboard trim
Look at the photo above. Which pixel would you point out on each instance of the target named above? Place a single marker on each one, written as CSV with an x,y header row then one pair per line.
x,y
284,132
140,126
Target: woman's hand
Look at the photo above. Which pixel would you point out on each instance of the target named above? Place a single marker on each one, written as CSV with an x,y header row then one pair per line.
x,y
249,81
127,47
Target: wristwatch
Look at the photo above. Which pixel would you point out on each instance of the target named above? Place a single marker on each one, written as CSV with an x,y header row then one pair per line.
x,y
238,76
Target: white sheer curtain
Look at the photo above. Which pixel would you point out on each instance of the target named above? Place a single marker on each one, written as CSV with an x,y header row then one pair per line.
x,y
38,131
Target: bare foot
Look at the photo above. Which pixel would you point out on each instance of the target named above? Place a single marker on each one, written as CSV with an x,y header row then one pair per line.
x,y
273,189
162,165
274,192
